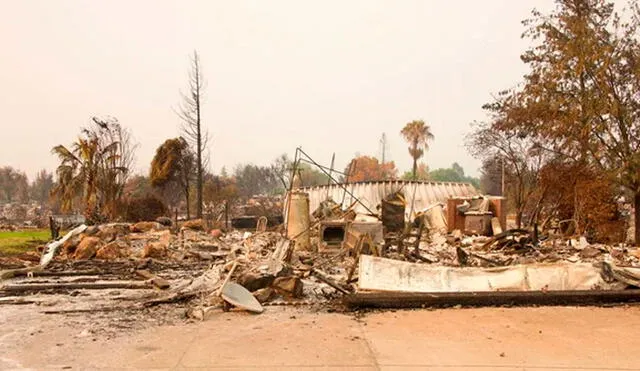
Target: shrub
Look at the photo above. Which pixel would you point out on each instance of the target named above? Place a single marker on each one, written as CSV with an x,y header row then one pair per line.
x,y
144,208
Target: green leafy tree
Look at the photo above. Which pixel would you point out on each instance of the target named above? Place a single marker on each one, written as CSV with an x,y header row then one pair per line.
x,y
138,186
455,173
311,177
41,187
445,175
421,174
14,186
282,169
254,180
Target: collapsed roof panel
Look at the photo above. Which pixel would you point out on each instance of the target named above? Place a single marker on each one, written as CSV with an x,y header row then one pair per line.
x,y
419,194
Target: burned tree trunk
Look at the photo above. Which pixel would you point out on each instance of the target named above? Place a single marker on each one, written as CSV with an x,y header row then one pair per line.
x,y
636,215
187,197
190,113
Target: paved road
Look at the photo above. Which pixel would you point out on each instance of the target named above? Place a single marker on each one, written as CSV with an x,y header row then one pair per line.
x,y
563,338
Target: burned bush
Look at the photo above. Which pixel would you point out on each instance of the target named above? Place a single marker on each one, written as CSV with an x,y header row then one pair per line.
x,y
143,209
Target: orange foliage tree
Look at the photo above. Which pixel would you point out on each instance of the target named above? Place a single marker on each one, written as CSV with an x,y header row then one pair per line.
x,y
580,99
582,195
367,168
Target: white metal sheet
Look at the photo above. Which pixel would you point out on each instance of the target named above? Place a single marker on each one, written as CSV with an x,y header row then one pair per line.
x,y
382,274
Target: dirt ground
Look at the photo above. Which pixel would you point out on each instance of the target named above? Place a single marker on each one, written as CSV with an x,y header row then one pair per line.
x,y
553,338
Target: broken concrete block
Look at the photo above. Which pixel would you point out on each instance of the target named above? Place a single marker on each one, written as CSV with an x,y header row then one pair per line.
x,y
496,228
109,232
111,251
590,252
70,245
87,248
279,269
154,250
288,286
165,237
263,295
165,221
142,227
195,224
438,239
255,281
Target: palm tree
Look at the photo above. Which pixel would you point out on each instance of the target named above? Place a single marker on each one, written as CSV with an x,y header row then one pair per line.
x,y
83,170
417,134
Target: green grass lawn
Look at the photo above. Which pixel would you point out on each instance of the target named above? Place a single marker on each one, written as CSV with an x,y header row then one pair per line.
x,y
13,243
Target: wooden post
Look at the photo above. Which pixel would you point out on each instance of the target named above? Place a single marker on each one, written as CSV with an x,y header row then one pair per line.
x,y
53,228
176,217
326,279
226,214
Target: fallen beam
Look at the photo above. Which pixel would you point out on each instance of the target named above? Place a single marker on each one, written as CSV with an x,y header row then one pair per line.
x,y
158,282
76,286
60,273
329,281
6,274
16,301
91,310
485,298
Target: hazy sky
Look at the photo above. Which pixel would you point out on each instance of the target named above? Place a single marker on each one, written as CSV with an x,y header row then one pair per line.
x,y
330,76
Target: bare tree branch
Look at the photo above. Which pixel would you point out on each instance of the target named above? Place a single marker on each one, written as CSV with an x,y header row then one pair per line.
x,y
189,112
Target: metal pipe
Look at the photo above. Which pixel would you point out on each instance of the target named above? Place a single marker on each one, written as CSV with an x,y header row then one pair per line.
x,y
335,181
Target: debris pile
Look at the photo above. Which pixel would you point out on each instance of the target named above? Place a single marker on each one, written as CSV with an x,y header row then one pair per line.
x,y
22,215
120,267
326,253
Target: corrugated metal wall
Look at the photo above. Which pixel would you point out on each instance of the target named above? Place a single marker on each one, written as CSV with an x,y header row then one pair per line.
x,y
372,193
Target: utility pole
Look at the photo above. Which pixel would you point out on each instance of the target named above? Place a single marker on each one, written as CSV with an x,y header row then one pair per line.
x,y
383,145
